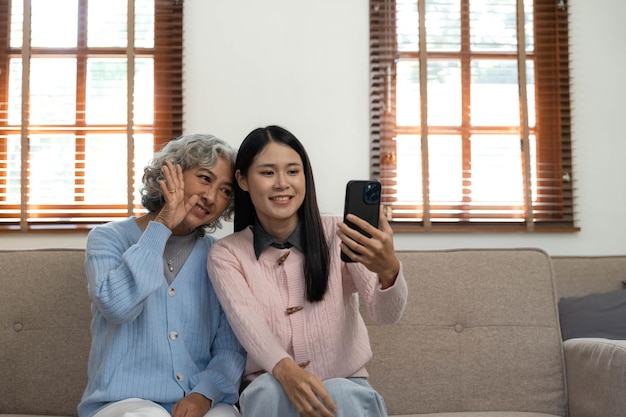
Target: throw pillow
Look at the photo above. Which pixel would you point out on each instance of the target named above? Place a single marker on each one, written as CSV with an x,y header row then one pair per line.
x,y
600,315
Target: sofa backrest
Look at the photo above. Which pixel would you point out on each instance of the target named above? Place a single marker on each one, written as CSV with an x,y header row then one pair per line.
x,y
44,331
480,333
581,275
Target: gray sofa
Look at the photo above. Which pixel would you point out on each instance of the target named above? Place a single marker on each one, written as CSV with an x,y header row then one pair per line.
x,y
480,336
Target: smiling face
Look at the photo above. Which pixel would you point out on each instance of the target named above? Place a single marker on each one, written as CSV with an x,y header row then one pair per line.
x,y
213,187
277,187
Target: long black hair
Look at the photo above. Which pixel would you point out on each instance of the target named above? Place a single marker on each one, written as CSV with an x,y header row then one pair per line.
x,y
316,253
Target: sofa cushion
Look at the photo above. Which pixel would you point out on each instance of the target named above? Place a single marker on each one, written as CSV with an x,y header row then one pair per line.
x,y
44,331
480,332
481,414
601,315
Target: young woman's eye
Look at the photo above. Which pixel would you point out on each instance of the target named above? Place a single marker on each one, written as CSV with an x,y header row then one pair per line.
x,y
294,171
267,173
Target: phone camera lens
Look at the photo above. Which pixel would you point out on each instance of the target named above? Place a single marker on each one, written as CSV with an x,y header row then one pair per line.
x,y
372,193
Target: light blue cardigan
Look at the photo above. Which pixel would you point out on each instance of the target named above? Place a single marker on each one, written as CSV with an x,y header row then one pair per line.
x,y
152,340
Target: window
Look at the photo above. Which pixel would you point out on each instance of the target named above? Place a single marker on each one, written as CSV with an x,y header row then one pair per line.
x,y
470,114
88,88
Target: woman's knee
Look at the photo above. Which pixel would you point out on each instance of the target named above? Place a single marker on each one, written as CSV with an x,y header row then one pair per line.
x,y
263,391
133,407
355,395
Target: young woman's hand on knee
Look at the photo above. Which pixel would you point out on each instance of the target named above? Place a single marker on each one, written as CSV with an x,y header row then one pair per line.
x,y
306,392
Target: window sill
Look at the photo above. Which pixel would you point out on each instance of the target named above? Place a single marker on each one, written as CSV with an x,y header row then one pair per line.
x,y
404,227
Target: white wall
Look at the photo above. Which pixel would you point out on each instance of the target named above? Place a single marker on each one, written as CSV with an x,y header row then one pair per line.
x,y
251,63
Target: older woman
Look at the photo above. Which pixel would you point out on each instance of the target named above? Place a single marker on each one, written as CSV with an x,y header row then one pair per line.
x,y
161,344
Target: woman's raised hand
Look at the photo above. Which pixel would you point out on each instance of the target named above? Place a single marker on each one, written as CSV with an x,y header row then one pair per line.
x,y
173,188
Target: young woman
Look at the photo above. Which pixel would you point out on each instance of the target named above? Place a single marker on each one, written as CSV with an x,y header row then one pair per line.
x,y
291,301
161,344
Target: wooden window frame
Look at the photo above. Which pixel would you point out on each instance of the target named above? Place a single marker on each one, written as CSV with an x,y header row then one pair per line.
x,y
168,117
553,208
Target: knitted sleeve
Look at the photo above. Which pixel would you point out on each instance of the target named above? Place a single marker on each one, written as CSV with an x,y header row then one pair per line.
x,y
121,275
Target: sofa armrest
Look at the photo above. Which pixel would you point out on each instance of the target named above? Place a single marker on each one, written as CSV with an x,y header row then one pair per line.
x,y
596,376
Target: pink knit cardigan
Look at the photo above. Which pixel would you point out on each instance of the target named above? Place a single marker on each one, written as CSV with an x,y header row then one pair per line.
x,y
264,302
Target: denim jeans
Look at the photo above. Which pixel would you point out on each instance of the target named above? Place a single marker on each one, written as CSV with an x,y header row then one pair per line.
x,y
354,397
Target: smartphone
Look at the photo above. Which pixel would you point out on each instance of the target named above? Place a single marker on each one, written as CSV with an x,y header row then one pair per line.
x,y
362,200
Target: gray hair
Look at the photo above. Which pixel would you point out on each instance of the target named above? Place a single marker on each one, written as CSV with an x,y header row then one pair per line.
x,y
188,151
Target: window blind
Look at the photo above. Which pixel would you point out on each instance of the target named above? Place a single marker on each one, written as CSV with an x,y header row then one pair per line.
x,y
470,114
83,104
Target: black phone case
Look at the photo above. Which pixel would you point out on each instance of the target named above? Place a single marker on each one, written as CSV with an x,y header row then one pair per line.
x,y
358,204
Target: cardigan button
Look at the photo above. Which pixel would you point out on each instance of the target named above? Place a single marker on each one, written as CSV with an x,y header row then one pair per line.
x,y
458,328
292,310
281,260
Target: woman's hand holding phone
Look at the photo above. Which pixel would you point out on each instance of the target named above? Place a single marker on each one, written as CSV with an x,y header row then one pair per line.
x,y
377,252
